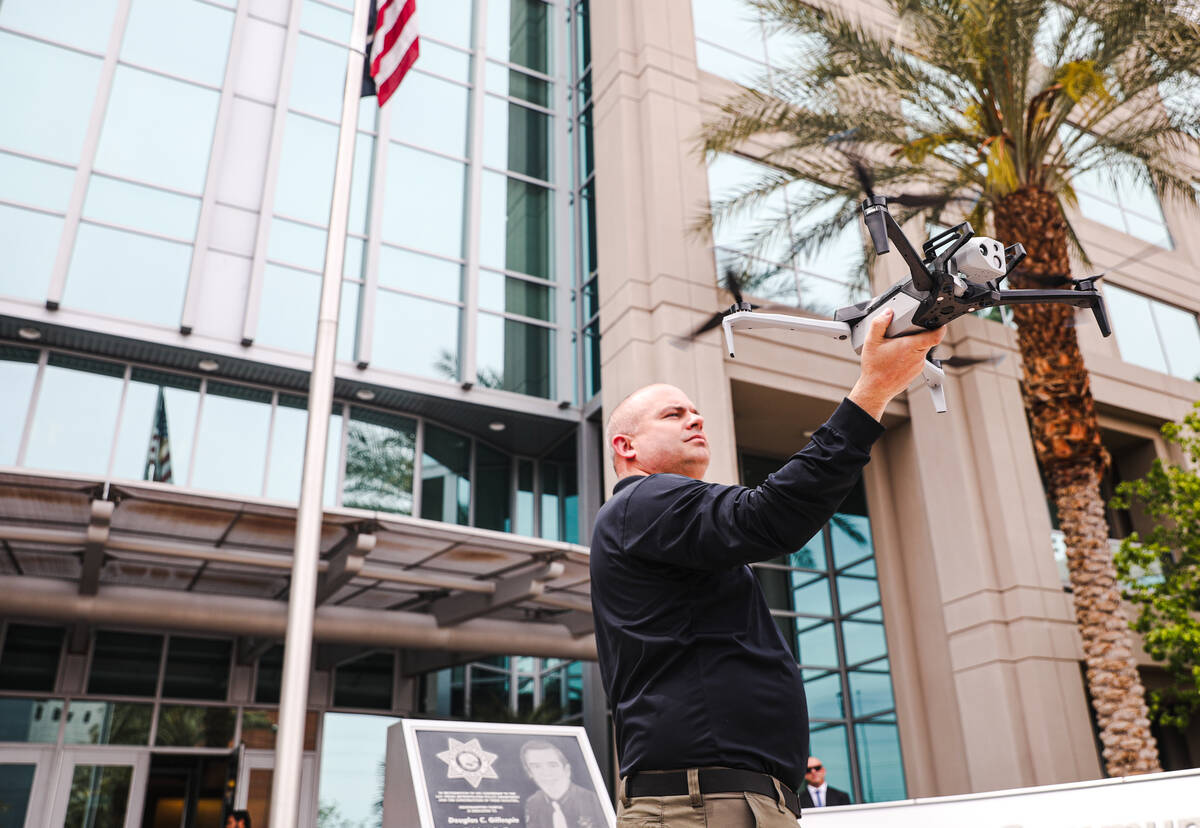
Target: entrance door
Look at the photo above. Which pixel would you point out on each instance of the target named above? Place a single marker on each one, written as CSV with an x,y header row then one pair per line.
x,y
254,787
24,775
98,788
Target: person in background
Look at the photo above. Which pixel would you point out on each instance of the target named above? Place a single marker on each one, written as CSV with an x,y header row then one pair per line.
x,y
816,793
238,819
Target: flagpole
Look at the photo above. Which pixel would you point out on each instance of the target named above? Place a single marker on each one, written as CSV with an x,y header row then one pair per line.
x,y
297,648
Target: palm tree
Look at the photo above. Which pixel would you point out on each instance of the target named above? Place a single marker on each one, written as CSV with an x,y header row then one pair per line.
x,y
994,108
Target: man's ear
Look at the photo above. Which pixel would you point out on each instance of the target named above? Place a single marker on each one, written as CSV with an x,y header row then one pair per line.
x,y
623,446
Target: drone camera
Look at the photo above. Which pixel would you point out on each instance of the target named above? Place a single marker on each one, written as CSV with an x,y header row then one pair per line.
x,y
981,261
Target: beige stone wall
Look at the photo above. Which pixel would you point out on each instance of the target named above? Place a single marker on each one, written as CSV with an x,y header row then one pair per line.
x,y
985,655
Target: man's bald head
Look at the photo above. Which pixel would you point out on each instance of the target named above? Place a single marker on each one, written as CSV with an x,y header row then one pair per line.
x,y
657,429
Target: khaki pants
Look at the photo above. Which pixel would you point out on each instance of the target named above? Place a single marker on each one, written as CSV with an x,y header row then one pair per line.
x,y
714,810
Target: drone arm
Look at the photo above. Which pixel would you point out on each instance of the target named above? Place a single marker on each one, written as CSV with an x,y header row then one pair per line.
x,y
749,320
1088,298
883,227
935,378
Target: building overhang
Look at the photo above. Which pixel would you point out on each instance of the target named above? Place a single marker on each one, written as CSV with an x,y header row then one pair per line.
x,y
85,551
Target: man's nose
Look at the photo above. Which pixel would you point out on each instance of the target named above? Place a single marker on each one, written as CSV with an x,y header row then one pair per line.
x,y
697,423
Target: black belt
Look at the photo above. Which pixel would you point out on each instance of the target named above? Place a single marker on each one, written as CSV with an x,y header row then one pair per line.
x,y
712,780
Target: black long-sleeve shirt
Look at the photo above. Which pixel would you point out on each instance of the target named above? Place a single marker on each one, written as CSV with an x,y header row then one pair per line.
x,y
697,673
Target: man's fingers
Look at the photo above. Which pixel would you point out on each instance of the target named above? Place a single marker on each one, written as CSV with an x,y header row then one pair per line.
x,y
928,339
879,326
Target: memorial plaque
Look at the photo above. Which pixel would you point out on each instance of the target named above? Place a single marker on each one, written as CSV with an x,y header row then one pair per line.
x,y
479,774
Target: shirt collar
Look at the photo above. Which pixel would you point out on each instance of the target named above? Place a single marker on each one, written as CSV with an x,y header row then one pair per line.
x,y
626,482
822,788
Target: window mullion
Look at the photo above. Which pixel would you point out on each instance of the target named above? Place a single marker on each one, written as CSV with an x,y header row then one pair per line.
x,y
91,142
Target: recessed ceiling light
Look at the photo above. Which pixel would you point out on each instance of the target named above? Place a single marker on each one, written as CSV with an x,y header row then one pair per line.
x,y
29,333
208,365
497,426
365,394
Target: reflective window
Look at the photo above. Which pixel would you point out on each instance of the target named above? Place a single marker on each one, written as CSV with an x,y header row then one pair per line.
x,y
1153,334
519,32
231,446
360,185
1116,191
289,306
516,226
416,336
525,499
33,73
30,657
560,494
493,476
86,25
447,20
304,187
415,273
157,130
319,18
35,183
506,294
299,244
509,82
423,206
841,646
127,275
730,41
199,56
443,107
288,434
18,370
16,789
517,138
141,208
125,664
108,723
76,415
30,720
319,78
98,789
365,682
442,60
158,426
446,476
515,356
822,280
354,745
380,456
195,727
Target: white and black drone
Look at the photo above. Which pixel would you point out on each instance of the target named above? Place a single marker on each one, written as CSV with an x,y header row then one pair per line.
x,y
959,273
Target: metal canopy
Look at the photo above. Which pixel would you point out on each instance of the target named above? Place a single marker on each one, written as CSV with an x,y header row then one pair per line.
x,y
162,541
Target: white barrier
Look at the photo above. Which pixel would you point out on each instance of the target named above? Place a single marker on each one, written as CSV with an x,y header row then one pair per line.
x,y
1159,800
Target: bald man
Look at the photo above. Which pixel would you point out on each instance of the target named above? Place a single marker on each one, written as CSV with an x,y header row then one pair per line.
x,y
707,700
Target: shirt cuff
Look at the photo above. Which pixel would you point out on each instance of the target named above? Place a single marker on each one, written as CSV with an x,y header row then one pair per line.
x,y
856,424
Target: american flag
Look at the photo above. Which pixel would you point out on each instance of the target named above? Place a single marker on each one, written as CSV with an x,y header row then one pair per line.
x,y
158,461
392,47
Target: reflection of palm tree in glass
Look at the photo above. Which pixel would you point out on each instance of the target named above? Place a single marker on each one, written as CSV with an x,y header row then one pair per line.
x,y
447,366
379,468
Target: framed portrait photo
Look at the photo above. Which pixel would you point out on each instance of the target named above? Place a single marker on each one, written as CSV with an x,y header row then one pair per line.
x,y
479,774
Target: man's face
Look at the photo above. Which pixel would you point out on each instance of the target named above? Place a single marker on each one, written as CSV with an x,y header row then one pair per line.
x,y
548,770
669,436
815,775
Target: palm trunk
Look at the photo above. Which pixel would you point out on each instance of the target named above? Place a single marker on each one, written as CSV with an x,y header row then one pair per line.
x,y
1066,439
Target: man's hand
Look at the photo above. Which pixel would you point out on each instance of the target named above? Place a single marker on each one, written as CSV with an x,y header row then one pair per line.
x,y
889,365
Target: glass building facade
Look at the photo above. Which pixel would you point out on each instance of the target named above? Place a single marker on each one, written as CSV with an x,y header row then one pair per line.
x,y
826,603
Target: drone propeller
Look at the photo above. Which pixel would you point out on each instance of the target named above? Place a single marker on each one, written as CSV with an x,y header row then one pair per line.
x,y
866,180
962,362
730,282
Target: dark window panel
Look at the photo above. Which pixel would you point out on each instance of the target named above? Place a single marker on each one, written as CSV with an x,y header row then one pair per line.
x,y
30,658
125,664
197,668
365,682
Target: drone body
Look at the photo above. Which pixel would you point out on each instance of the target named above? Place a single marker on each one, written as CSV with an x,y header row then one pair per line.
x,y
959,273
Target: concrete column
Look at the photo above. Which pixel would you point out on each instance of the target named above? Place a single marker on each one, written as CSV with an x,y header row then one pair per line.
x,y
658,280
